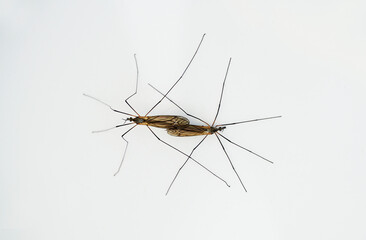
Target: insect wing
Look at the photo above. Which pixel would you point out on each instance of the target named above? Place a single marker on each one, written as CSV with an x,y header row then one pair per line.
x,y
188,131
166,121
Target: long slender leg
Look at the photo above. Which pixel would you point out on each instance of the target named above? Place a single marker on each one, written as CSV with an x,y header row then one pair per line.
x,y
176,175
137,81
179,106
231,162
124,154
244,148
188,156
222,92
180,76
247,121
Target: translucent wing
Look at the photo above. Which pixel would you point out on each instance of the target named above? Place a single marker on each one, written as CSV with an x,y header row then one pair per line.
x,y
166,121
188,131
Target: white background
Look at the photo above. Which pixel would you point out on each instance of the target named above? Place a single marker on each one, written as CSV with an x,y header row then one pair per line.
x,y
304,60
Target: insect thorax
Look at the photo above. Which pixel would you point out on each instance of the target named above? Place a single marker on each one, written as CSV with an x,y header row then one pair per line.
x,y
212,130
137,120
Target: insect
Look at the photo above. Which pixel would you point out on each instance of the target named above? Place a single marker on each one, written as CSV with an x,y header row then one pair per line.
x,y
159,121
209,129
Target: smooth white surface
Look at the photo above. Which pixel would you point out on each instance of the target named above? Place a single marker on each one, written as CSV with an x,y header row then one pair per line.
x,y
304,60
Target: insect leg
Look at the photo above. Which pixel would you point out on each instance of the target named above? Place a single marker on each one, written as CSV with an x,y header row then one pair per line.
x,y
124,154
253,120
187,156
230,162
137,80
180,76
176,175
179,106
244,148
222,92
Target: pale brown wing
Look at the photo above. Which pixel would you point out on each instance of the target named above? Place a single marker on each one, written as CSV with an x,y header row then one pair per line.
x,y
166,121
188,131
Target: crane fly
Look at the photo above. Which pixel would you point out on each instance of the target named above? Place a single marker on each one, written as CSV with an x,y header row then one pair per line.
x,y
189,130
159,121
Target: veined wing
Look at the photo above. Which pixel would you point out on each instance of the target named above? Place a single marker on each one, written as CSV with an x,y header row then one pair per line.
x,y
166,121
188,131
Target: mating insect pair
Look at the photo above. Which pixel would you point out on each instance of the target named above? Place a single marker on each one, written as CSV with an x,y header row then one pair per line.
x,y
180,126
